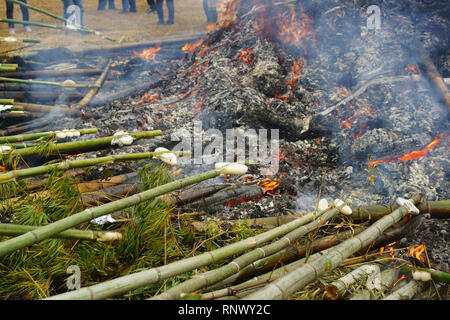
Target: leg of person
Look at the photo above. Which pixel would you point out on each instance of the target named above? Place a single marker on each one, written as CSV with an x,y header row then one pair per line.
x,y
171,9
10,15
159,11
132,5
101,5
151,6
25,16
66,4
124,6
111,5
79,3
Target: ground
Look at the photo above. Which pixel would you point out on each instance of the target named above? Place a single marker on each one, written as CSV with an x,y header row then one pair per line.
x,y
189,18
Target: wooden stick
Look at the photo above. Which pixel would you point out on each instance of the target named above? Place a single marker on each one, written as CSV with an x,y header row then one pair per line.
x,y
48,109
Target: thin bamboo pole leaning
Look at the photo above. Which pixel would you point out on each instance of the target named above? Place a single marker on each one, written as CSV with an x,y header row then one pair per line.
x,y
154,275
73,164
202,280
300,277
74,220
10,229
82,28
48,134
91,93
78,145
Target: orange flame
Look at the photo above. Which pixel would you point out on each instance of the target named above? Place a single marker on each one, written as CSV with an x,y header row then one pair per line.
x,y
147,54
2,168
398,280
269,185
188,47
410,156
417,252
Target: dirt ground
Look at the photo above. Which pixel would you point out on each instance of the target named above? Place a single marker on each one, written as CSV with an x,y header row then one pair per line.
x,y
189,18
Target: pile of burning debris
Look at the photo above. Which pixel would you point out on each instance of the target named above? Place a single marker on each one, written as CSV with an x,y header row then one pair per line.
x,y
360,112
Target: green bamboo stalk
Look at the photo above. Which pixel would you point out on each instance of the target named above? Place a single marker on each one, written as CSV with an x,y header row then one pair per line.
x,y
73,164
437,209
12,65
48,134
154,275
264,278
436,275
297,279
78,145
337,289
10,229
74,220
202,280
407,292
7,69
49,83
7,101
31,23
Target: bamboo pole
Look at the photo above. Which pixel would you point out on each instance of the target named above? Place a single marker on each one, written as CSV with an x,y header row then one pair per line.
x,y
437,209
154,275
9,229
407,292
92,92
202,280
95,185
30,23
7,101
337,289
65,84
74,220
73,164
48,109
79,145
42,96
436,275
297,279
48,134
52,73
262,280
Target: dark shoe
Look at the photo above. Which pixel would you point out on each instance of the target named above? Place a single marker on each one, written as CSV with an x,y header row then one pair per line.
x,y
169,22
150,10
132,10
113,8
123,12
161,22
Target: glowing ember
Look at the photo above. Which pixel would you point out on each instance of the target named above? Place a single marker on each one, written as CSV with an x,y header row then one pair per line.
x,y
410,156
412,68
147,54
149,98
191,47
246,56
399,279
2,168
417,252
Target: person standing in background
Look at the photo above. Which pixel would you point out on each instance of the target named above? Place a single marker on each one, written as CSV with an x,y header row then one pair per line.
x,y
152,6
68,3
210,10
10,15
130,8
160,11
102,5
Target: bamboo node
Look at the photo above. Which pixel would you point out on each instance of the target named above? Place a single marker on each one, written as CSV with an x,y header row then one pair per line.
x,y
408,204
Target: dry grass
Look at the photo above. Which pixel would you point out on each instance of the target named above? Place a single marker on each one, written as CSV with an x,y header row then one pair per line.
x,y
189,18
